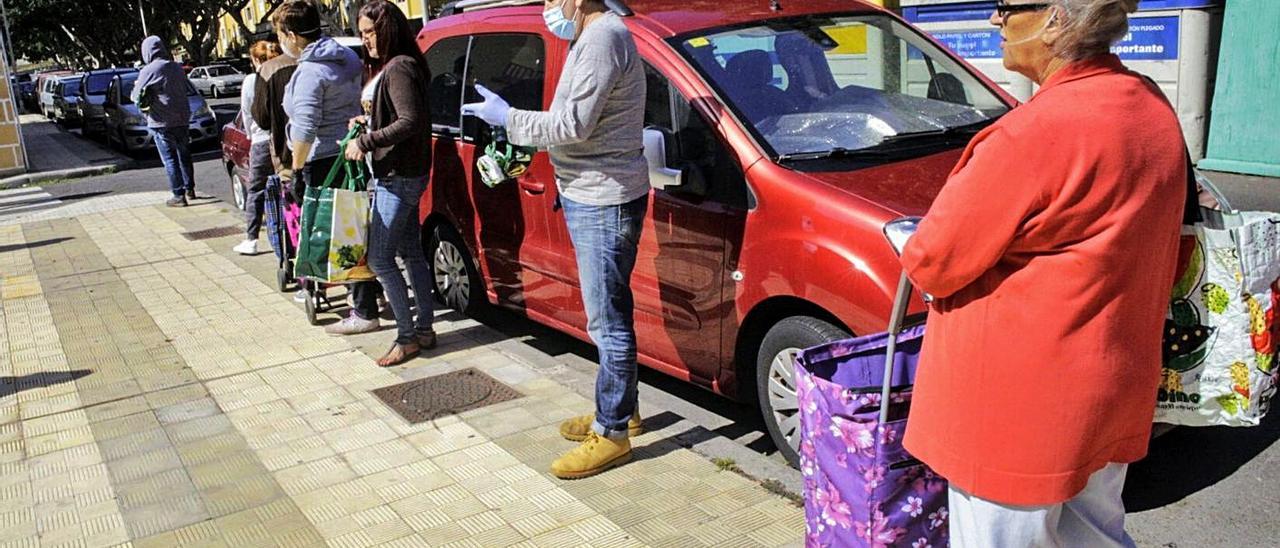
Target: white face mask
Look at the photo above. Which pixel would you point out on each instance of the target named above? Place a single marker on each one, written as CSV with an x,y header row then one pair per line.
x,y
1052,17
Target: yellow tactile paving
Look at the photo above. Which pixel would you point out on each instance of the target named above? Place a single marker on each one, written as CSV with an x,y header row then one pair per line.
x,y
61,493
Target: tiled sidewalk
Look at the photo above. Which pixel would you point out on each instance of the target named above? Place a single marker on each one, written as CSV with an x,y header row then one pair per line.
x,y
156,393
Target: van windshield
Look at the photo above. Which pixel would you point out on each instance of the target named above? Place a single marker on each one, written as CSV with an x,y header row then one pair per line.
x,y
823,84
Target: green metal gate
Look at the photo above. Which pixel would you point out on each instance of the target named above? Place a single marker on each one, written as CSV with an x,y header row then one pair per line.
x,y
1246,104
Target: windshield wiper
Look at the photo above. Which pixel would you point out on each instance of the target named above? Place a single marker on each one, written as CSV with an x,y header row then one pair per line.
x,y
967,130
837,152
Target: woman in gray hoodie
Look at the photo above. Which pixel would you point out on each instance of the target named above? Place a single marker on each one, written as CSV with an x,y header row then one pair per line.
x,y
322,95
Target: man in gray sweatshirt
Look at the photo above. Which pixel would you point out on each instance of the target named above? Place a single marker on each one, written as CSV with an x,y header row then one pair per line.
x,y
161,94
594,134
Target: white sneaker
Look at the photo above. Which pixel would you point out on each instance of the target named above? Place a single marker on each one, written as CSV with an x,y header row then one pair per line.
x,y
300,296
247,247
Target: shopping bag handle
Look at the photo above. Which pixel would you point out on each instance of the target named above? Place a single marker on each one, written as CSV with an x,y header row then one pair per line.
x,y
353,168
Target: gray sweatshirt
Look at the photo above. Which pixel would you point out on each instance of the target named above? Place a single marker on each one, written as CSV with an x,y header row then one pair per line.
x,y
322,95
594,131
165,84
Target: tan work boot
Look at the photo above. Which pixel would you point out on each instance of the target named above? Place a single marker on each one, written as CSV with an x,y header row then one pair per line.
x,y
577,428
595,455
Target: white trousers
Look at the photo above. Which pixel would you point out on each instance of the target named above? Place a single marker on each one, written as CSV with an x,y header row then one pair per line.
x,y
1093,518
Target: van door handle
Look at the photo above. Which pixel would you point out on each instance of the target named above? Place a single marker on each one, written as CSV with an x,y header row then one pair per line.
x,y
531,185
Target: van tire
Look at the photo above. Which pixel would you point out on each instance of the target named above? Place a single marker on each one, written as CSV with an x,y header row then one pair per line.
x,y
775,382
456,280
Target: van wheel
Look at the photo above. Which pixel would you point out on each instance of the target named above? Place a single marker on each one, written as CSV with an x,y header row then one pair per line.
x,y
775,377
457,281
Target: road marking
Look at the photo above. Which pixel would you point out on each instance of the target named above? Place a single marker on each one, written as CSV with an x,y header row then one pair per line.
x,y
20,190
30,197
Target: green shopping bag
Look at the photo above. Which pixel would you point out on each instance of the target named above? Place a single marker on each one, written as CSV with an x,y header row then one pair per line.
x,y
333,238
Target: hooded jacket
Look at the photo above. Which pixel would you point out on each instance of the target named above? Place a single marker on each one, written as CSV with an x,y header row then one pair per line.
x,y
322,95
165,84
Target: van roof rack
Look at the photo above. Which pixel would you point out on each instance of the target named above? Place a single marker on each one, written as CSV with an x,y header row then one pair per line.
x,y
617,6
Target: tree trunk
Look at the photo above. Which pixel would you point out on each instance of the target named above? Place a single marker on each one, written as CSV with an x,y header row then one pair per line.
x,y
80,44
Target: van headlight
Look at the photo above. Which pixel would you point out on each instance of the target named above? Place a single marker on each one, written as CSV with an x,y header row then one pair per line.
x,y
204,112
132,120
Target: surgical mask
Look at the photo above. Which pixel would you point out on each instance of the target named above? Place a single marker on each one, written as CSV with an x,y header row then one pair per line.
x,y
559,25
1052,17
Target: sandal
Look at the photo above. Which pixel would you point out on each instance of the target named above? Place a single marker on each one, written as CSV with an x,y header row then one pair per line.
x,y
399,354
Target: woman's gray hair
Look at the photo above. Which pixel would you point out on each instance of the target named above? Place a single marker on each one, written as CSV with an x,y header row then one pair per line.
x,y
1090,27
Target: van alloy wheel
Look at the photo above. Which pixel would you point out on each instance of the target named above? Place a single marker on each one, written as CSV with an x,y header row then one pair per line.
x,y
451,274
775,377
782,396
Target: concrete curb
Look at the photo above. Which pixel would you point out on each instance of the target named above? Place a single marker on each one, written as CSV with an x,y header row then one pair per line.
x,y
74,173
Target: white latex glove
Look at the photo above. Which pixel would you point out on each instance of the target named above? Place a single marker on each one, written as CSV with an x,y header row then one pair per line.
x,y
493,110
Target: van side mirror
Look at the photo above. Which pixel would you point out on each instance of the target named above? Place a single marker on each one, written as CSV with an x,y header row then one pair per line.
x,y
666,173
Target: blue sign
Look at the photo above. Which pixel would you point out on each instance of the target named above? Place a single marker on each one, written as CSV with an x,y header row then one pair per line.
x,y
972,44
981,10
1149,39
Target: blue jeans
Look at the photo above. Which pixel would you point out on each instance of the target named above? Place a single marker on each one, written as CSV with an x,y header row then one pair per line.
x,y
174,146
395,230
605,241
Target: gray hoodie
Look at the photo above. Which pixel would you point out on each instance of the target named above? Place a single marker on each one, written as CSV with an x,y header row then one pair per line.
x,y
165,84
322,95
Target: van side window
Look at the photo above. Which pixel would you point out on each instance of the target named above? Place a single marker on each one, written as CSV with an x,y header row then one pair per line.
x,y
511,65
446,61
696,142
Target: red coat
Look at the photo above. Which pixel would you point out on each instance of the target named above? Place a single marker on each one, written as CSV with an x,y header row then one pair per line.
x,y
1051,250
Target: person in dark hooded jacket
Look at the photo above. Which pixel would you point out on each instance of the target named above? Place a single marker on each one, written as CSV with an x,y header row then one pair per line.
x,y
161,94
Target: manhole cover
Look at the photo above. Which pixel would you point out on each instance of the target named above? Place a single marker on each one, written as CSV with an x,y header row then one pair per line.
x,y
442,395
213,232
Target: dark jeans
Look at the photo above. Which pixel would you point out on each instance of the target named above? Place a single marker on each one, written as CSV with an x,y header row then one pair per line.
x,y
396,230
255,199
174,146
605,241
365,294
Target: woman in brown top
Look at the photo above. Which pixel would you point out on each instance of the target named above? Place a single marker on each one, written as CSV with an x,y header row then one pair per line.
x,y
397,147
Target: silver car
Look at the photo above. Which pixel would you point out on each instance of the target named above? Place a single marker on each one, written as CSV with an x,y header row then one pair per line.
x,y
216,80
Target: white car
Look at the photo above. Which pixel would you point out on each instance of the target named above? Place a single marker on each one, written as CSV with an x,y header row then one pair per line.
x,y
216,80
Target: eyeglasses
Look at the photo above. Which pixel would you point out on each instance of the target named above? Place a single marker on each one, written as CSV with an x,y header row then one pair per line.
x,y
1003,10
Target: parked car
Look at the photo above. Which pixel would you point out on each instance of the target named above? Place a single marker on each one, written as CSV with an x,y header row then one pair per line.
x,y
779,144
242,64
66,99
45,84
235,158
216,80
93,93
127,127
24,90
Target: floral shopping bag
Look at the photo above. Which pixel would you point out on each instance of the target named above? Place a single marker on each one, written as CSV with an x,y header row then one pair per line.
x,y
861,486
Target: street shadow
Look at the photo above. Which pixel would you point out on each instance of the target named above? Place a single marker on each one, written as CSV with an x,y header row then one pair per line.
x,y
32,245
1188,460
82,195
12,385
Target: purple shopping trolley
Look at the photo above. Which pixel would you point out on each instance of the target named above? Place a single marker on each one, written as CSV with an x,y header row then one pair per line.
x,y
862,488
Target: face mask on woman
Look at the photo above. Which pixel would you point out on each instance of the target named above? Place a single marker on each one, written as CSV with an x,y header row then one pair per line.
x,y
559,25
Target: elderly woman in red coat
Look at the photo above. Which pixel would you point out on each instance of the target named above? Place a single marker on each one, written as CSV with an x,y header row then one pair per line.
x,y
1051,253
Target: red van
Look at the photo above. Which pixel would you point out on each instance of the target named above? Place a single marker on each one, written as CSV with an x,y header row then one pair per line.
x,y
781,136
